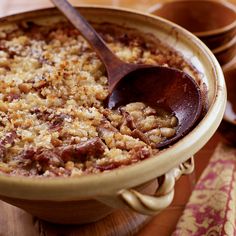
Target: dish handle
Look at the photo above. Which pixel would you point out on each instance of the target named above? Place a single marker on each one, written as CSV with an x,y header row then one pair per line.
x,y
152,205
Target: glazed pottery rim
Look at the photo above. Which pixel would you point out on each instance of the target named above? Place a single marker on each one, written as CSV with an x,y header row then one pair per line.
x,y
207,33
56,189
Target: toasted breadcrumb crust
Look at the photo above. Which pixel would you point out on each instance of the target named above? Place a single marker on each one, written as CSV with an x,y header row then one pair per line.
x,y
52,87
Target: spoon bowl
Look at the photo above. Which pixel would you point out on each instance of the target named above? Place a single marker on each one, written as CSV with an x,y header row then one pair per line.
x,y
156,86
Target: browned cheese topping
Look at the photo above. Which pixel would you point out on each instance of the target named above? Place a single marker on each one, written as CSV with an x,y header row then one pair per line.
x,y
52,87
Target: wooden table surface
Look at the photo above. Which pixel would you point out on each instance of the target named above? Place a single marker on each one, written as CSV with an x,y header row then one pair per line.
x,y
14,221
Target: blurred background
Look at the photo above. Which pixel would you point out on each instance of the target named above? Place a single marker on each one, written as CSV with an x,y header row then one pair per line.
x,y
12,6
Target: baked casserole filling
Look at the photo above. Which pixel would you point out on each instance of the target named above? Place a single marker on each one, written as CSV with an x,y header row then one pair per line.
x,y
53,121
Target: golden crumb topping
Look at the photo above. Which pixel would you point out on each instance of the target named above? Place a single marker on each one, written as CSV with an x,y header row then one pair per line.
x,y
52,88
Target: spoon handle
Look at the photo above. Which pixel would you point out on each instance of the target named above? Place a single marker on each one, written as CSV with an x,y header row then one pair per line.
x,y
97,43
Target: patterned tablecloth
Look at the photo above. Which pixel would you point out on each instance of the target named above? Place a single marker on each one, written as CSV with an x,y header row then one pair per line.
x,y
211,207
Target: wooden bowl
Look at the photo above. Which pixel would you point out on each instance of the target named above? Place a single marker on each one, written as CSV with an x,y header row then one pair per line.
x,y
226,52
214,22
217,40
89,198
228,125
230,79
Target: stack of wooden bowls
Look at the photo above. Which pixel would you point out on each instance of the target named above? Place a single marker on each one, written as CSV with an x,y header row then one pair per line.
x,y
228,125
214,22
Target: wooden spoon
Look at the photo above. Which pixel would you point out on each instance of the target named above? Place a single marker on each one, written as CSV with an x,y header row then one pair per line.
x,y
154,85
